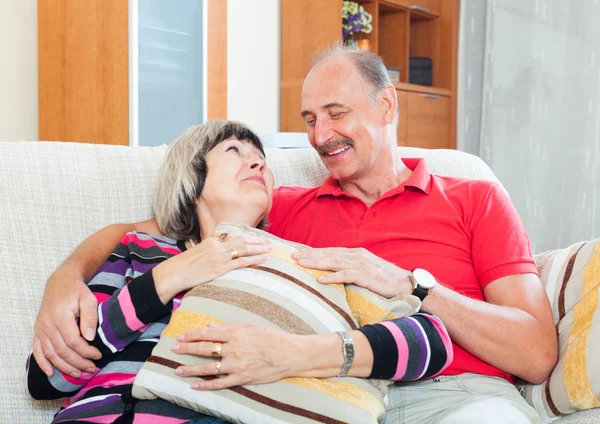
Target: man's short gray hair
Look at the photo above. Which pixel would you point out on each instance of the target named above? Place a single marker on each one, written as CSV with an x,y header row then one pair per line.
x,y
369,65
183,174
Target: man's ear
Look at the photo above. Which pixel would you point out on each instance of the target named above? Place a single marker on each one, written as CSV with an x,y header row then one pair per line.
x,y
389,97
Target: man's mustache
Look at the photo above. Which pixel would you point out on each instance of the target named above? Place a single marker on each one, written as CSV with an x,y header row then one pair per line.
x,y
342,142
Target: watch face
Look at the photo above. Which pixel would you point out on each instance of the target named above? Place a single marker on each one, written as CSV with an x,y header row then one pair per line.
x,y
424,278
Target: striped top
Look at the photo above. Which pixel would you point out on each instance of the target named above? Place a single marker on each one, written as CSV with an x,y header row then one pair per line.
x,y
132,317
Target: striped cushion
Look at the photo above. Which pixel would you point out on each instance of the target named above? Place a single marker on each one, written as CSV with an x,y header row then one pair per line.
x,y
278,294
571,278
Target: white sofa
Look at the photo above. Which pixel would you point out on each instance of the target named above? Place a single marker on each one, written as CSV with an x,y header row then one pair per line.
x,y
53,195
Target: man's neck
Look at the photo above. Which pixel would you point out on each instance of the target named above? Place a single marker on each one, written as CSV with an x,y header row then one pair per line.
x,y
380,180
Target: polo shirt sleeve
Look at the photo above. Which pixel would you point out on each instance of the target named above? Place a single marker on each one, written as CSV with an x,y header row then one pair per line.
x,y
500,245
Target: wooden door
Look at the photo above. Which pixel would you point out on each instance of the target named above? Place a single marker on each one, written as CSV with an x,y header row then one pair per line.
x,y
428,121
83,70
217,59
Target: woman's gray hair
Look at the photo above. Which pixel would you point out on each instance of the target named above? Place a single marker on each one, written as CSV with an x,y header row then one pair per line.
x,y
183,174
369,65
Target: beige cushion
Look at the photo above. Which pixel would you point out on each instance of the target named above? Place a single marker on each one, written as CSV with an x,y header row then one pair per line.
x,y
282,295
53,195
571,277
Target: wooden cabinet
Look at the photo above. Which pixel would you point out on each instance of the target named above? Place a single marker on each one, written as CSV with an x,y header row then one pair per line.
x,y
403,118
394,31
427,117
401,29
306,28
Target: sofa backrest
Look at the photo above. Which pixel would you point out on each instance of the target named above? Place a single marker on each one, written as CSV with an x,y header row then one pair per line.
x,y
53,195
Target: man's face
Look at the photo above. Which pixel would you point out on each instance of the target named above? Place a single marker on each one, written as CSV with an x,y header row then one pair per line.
x,y
344,124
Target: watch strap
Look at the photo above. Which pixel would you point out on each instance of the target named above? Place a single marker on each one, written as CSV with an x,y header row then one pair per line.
x,y
421,292
347,353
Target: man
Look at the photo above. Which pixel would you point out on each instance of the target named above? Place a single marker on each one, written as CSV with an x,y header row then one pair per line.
x,y
457,244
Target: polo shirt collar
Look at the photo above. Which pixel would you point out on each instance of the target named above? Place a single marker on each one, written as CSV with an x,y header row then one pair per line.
x,y
419,179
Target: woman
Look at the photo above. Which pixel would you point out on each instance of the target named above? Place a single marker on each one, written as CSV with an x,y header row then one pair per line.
x,y
212,173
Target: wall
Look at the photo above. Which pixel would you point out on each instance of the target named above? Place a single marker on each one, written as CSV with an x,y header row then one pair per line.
x,y
18,70
253,63
541,115
470,75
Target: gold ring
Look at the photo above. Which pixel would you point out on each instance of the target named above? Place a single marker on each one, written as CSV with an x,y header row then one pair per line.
x,y
215,349
234,253
222,237
219,367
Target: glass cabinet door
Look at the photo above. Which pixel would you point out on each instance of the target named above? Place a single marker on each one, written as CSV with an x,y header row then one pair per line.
x,y
167,69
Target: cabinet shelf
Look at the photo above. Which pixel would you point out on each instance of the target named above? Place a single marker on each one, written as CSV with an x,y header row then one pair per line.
x,y
415,88
425,8
419,15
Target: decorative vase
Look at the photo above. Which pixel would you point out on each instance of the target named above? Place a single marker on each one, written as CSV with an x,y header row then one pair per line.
x,y
363,44
351,42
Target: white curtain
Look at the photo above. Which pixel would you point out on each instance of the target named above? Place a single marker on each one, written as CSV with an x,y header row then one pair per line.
x,y
539,111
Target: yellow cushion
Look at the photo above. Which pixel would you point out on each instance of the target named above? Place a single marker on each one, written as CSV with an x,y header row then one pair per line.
x,y
571,278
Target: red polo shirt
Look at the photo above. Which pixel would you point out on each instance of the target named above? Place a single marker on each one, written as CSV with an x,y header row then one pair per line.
x,y
465,232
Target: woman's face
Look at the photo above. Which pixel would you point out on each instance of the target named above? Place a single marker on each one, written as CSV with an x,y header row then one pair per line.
x,y
238,183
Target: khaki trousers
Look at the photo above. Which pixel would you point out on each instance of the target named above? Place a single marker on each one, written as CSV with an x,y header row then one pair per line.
x,y
458,399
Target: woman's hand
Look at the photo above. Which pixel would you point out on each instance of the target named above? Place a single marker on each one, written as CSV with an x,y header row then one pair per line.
x,y
250,354
206,261
255,354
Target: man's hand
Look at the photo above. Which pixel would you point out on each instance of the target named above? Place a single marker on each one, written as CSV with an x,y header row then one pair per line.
x,y
57,338
357,266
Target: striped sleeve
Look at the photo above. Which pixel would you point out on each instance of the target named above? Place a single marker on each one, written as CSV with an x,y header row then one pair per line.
x,y
127,304
410,348
127,299
125,315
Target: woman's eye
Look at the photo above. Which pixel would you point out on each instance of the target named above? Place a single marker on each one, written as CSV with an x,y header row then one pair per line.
x,y
235,149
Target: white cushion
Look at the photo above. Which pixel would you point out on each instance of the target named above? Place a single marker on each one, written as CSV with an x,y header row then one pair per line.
x,y
53,195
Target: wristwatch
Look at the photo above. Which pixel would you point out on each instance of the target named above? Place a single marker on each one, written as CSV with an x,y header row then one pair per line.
x,y
423,282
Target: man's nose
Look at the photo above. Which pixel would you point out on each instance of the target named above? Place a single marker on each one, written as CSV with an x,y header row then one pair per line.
x,y
323,133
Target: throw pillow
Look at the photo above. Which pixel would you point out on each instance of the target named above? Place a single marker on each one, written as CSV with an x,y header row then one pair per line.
x,y
571,278
279,294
